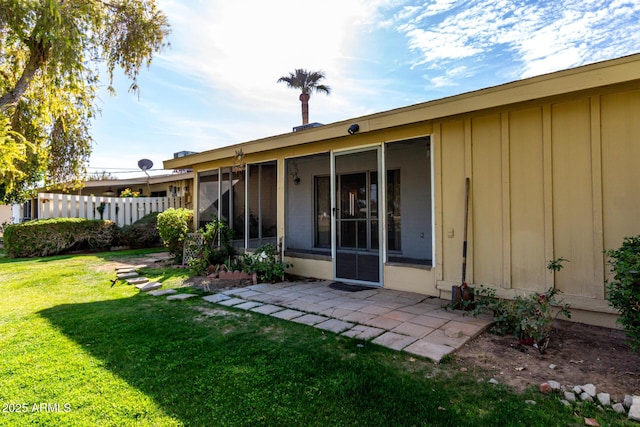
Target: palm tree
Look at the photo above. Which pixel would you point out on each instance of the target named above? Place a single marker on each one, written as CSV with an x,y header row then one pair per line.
x,y
307,82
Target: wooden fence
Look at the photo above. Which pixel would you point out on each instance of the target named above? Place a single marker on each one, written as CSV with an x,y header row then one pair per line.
x,y
121,210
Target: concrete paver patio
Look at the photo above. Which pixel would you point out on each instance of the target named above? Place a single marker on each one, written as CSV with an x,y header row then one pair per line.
x,y
403,321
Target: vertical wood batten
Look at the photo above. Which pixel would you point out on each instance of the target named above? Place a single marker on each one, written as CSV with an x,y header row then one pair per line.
x,y
596,179
548,191
505,138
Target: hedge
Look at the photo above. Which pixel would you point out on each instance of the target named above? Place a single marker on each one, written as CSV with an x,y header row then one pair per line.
x,y
56,236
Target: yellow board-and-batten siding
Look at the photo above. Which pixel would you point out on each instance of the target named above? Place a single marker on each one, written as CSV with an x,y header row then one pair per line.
x,y
554,167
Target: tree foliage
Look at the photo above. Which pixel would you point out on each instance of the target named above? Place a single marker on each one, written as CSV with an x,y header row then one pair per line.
x,y
52,53
307,82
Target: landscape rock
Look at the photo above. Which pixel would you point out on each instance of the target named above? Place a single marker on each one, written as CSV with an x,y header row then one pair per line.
x,y
634,412
628,401
577,390
493,381
591,422
565,402
590,389
570,396
604,399
545,388
530,402
555,385
619,408
552,366
586,397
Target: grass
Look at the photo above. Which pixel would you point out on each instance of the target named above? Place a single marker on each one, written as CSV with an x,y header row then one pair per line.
x,y
76,351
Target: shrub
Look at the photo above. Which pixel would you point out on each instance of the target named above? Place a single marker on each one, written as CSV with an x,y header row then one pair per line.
x,y
217,248
623,293
56,236
266,263
530,318
142,234
173,227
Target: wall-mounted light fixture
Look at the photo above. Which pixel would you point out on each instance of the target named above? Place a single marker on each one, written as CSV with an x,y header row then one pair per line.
x,y
353,128
293,171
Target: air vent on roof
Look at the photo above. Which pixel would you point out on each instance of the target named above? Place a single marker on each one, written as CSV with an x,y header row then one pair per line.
x,y
182,154
307,126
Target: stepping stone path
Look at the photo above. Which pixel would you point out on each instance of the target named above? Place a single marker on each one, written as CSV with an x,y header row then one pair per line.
x,y
137,280
149,286
162,292
180,297
128,275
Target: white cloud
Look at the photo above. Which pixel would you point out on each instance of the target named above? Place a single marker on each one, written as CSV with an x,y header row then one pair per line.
x,y
543,36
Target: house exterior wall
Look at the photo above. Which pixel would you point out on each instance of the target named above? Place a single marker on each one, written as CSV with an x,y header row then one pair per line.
x,y
548,180
553,166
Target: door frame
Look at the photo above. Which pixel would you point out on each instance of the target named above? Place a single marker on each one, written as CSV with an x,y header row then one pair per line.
x,y
381,189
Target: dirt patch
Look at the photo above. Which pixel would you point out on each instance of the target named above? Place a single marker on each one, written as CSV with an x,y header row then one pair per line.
x,y
581,354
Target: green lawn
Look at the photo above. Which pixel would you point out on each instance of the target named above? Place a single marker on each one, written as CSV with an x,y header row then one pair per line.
x,y
77,352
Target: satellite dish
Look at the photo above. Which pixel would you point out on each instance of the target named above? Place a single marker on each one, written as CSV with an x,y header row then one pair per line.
x,y
145,164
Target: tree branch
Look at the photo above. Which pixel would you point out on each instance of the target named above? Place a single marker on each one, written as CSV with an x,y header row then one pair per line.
x,y
39,53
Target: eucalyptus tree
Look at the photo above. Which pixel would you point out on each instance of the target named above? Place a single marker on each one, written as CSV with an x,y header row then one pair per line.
x,y
53,54
306,82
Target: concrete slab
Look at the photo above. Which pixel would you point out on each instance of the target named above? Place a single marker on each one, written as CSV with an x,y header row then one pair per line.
x,y
429,321
310,319
334,325
267,309
468,329
357,317
363,332
429,350
129,275
161,292
137,280
232,301
394,341
399,315
337,313
382,323
412,330
440,337
216,298
180,297
149,286
124,270
373,308
287,314
248,305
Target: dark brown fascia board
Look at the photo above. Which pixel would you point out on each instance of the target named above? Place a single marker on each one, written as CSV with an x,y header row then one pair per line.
x,y
590,76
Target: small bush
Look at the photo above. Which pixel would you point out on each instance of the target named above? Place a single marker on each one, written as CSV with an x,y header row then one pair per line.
x,y
56,236
529,318
173,227
265,261
142,233
217,248
624,290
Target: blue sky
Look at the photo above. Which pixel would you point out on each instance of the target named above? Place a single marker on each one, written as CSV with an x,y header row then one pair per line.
x,y
216,84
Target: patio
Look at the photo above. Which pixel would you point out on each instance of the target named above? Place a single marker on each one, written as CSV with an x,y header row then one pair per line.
x,y
402,321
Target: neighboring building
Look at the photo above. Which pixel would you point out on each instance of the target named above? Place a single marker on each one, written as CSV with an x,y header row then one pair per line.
x,y
554,167
156,194
168,185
